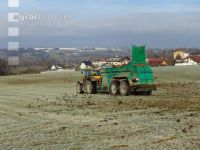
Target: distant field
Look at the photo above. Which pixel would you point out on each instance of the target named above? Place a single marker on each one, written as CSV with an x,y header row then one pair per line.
x,y
43,111
180,73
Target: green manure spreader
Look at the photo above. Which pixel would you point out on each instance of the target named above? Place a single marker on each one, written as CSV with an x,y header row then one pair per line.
x,y
134,77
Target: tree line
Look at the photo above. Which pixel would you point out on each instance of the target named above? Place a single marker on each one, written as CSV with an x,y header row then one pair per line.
x,y
3,67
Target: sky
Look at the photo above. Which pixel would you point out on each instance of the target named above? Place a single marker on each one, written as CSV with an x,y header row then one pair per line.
x,y
105,23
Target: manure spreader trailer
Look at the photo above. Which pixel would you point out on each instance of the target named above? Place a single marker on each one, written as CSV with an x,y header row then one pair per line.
x,y
134,77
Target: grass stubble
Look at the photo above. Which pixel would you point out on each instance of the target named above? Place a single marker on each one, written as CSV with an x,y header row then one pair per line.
x,y
44,112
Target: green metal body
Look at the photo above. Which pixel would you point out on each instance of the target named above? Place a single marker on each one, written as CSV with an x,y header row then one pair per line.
x,y
137,69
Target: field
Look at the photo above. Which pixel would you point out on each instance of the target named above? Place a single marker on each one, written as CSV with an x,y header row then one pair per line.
x,y
43,111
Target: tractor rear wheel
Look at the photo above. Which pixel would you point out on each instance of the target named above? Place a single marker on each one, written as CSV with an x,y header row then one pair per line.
x,y
114,88
124,88
90,87
79,88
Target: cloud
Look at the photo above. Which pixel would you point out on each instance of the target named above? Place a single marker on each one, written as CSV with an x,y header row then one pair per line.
x,y
138,22
111,22
156,29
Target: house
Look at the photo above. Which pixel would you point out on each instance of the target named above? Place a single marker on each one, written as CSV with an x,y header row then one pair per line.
x,y
99,63
195,58
56,67
180,55
111,62
86,64
184,59
114,61
125,60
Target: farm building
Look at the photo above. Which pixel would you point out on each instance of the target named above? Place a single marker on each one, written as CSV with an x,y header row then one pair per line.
x,y
157,61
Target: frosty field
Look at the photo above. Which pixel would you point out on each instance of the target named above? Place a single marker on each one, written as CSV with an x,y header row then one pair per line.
x,y
43,111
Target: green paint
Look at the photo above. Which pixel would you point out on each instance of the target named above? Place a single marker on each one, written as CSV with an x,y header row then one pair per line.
x,y
138,68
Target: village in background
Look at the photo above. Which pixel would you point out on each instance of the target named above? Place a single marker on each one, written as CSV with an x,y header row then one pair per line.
x,y
42,60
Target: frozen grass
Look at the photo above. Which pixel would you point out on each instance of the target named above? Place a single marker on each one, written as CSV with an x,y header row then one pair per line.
x,y
44,112
179,73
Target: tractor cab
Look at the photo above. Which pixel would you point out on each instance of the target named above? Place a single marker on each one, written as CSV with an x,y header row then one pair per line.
x,y
89,82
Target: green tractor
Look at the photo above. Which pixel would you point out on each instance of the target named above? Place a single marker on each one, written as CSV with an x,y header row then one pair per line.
x,y
134,77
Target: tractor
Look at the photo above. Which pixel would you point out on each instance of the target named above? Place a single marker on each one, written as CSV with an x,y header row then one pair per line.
x,y
134,77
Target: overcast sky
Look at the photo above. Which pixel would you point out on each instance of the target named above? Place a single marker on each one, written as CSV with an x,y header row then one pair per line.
x,y
106,23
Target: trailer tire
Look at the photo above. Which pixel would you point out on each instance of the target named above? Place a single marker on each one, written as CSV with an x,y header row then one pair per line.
x,y
89,87
79,88
124,88
114,88
148,93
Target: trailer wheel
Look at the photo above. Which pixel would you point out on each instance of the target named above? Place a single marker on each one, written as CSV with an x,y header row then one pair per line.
x,y
148,93
114,89
79,88
124,88
89,87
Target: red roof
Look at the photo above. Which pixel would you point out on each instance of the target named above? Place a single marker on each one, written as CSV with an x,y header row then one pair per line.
x,y
156,60
195,58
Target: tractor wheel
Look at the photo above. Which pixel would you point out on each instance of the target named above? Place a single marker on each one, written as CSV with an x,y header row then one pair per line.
x,y
79,88
114,88
124,88
94,87
89,87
